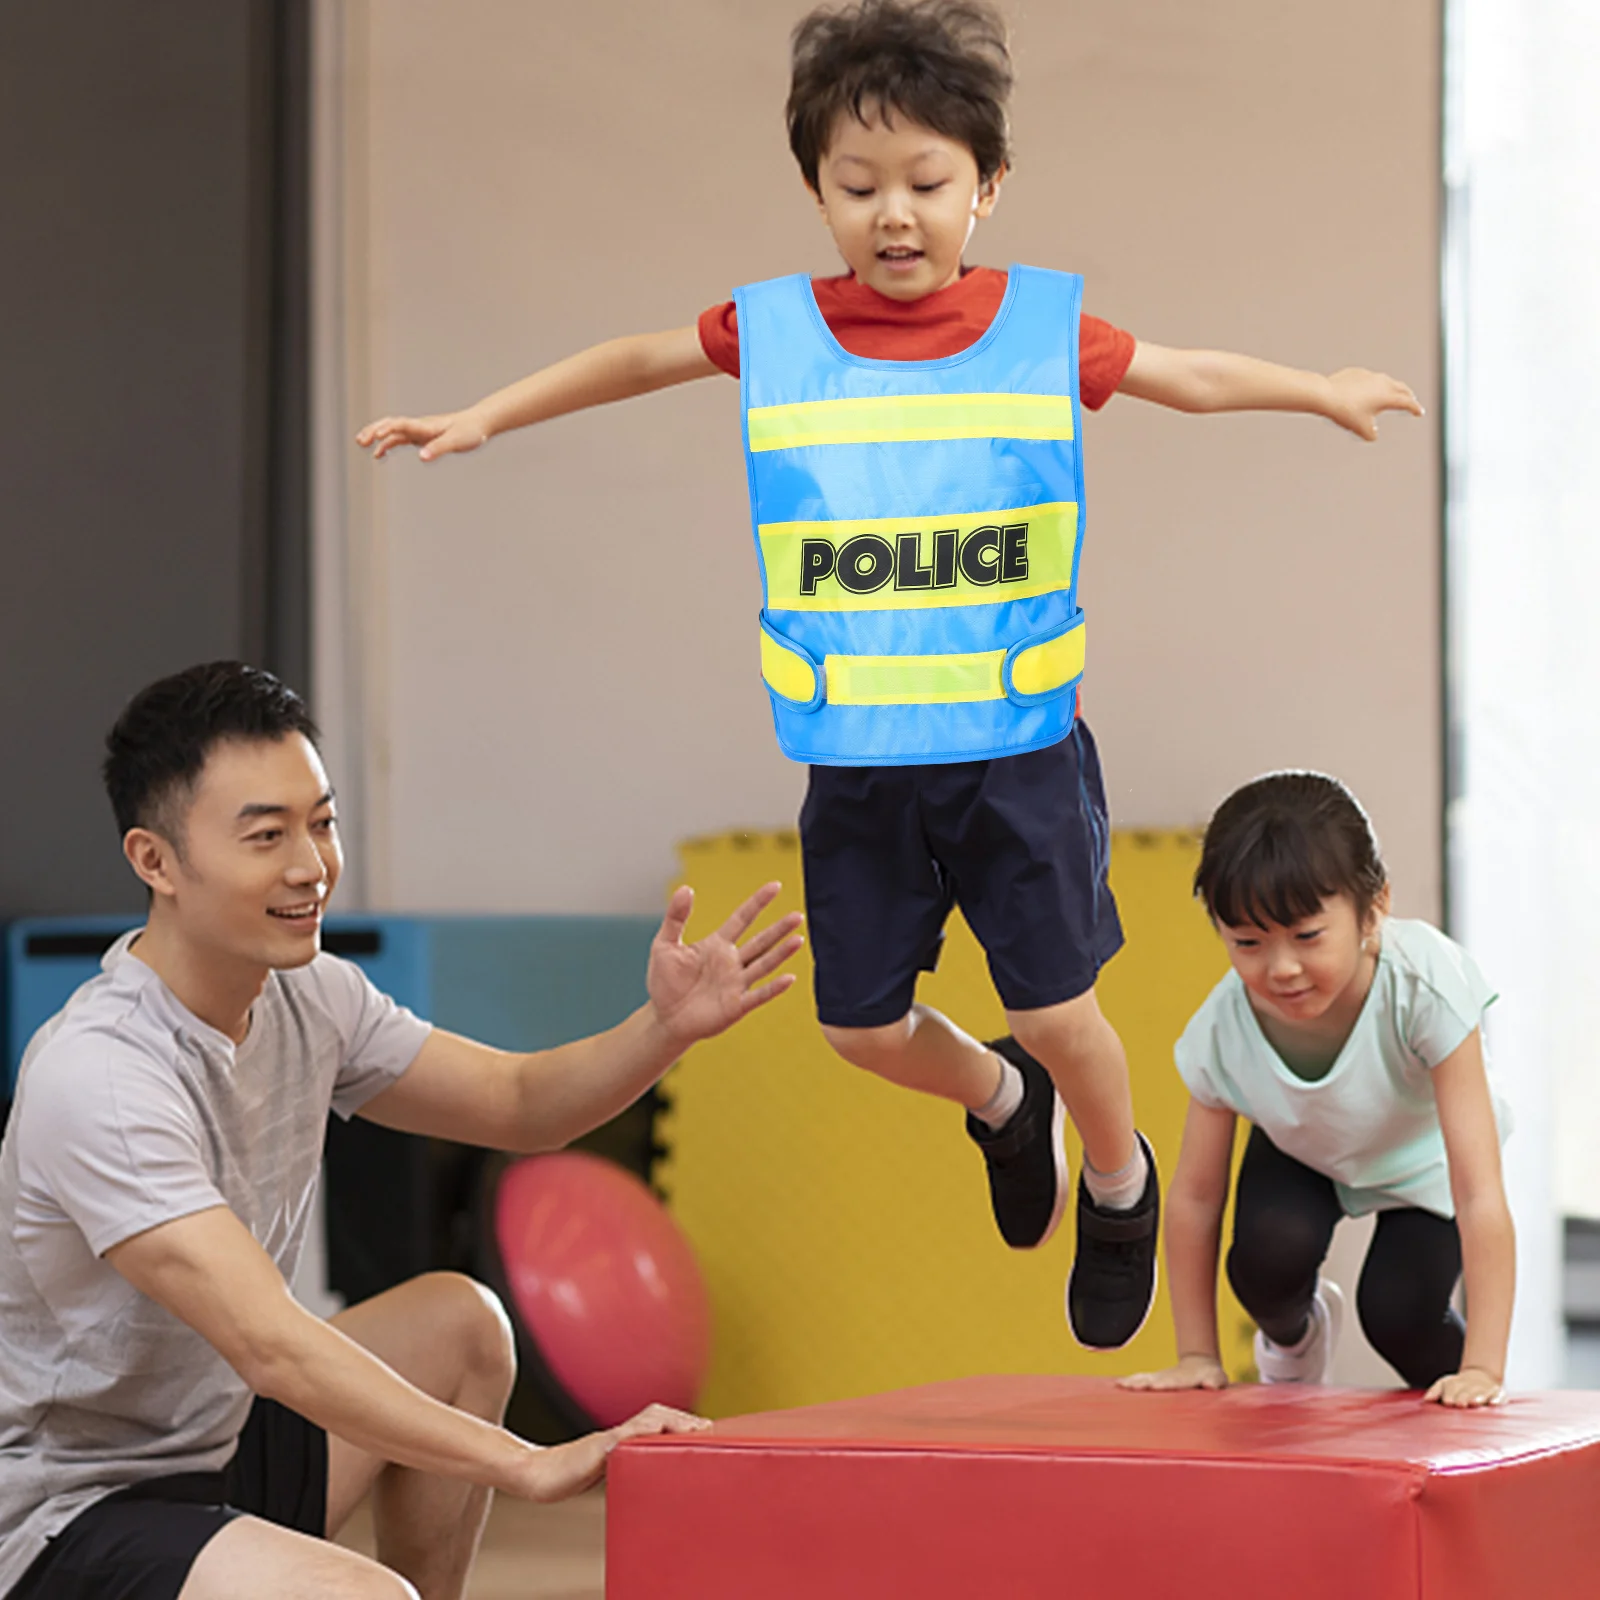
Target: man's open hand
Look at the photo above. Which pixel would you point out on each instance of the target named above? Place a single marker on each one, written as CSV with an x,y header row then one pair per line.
x,y
568,1469
697,990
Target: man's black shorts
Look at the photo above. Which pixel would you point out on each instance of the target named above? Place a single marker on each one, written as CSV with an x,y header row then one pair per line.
x,y
139,1543
1021,844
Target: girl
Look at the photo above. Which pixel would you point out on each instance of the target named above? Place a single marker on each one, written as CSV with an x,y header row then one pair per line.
x,y
1351,1041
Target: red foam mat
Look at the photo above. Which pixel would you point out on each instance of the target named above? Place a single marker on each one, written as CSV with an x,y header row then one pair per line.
x,y
1031,1486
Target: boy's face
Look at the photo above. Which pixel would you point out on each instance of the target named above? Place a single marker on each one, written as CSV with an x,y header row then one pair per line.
x,y
1299,973
901,202
260,854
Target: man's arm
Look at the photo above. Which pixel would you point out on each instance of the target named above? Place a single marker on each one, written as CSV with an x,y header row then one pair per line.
x,y
1214,380
615,370
208,1270
459,1089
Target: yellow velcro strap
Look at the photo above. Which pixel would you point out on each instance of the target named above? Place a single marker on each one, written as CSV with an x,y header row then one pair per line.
x,y
790,675
909,418
1047,666
914,680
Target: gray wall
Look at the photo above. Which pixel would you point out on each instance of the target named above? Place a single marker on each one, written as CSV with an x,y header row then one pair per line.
x,y
141,422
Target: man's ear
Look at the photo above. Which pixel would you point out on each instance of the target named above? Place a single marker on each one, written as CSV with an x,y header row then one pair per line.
x,y
989,192
153,858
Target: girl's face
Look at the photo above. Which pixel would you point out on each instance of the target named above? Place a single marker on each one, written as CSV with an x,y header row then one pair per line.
x,y
1318,969
901,202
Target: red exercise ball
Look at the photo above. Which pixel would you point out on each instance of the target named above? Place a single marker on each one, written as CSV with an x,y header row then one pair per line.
x,y
605,1284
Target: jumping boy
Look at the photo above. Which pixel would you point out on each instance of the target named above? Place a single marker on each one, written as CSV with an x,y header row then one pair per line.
x,y
911,433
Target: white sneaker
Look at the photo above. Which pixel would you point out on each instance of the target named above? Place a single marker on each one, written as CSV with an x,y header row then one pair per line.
x,y
1308,1361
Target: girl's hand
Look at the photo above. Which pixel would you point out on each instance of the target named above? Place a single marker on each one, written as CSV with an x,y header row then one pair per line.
x,y
1359,397
450,433
568,1469
1191,1372
1471,1386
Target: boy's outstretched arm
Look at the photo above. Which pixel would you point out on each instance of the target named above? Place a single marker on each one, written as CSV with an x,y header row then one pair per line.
x,y
1193,1236
1215,380
615,370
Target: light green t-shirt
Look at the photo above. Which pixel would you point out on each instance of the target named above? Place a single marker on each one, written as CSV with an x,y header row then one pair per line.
x,y
1371,1124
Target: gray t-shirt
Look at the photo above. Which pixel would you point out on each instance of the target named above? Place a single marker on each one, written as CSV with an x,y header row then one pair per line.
x,y
131,1112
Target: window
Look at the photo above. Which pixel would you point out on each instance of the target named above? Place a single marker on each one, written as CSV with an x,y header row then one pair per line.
x,y
1522,359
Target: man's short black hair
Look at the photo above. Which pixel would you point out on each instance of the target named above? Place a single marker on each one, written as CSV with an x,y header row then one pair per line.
x,y
1280,846
942,63
159,746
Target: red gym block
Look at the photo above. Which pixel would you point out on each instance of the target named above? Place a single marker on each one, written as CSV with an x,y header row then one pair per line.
x,y
1032,1486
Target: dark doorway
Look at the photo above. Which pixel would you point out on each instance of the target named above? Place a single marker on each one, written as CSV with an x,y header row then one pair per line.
x,y
153,390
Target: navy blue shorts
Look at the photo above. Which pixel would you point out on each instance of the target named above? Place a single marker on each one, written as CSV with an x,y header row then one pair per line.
x,y
139,1543
1021,844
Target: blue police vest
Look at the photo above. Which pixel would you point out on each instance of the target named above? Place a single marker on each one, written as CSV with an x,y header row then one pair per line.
x,y
918,525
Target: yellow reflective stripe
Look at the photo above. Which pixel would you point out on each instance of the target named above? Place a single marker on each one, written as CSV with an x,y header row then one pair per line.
x,y
908,418
1043,667
913,680
925,680
791,675
917,577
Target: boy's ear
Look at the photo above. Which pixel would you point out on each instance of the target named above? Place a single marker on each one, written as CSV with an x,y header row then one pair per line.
x,y
816,195
989,192
152,857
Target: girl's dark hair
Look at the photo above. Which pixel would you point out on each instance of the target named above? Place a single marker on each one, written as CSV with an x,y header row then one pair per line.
x,y
943,63
159,746
1280,846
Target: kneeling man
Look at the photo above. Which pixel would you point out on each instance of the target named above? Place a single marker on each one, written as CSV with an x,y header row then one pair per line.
x,y
173,1425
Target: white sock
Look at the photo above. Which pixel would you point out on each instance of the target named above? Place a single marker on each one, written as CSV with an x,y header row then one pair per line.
x,y
1002,1105
1119,1190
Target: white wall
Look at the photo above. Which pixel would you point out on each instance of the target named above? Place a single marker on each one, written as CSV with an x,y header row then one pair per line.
x,y
550,662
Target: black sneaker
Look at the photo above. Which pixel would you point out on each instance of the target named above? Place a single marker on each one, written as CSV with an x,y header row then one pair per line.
x,y
1026,1159
1113,1282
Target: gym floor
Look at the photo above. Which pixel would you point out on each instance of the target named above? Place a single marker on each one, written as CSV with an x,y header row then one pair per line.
x,y
530,1552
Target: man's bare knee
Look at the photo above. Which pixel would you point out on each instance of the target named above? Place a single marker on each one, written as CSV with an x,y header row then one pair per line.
x,y
493,1340
377,1584
369,1582
255,1560
470,1316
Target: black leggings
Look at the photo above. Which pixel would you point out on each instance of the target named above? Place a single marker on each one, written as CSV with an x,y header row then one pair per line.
x,y
1283,1221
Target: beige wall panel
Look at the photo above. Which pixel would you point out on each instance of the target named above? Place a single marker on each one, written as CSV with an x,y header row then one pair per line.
x,y
566,675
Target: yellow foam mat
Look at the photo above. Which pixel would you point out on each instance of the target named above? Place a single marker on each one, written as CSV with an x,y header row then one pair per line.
x,y
843,1223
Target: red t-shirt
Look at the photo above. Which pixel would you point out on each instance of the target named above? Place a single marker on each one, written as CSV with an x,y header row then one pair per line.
x,y
941,324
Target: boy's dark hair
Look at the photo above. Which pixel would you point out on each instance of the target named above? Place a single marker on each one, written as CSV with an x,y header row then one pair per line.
x,y
943,63
156,751
1280,846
